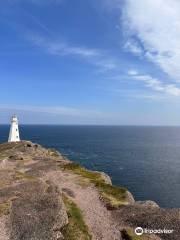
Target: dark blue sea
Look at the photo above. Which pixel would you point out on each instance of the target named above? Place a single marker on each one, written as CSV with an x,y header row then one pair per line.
x,y
146,160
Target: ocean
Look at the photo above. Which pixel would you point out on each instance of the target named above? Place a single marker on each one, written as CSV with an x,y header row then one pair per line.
x,y
146,160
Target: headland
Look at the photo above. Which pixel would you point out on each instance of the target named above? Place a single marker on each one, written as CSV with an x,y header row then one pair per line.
x,y
44,196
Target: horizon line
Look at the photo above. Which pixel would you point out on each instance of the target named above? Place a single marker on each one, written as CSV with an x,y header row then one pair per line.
x,y
98,125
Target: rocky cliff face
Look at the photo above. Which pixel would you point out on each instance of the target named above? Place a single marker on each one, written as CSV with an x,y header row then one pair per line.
x,y
45,196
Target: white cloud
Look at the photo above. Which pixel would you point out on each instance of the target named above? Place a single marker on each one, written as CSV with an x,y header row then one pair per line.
x,y
152,97
156,24
94,56
155,84
60,48
133,47
138,94
132,72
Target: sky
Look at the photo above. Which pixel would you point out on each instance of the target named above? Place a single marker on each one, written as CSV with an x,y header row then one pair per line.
x,y
104,62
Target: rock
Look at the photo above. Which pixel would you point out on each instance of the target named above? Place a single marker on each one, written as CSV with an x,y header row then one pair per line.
x,y
69,192
54,153
148,215
105,177
3,163
29,145
16,157
37,213
147,204
130,198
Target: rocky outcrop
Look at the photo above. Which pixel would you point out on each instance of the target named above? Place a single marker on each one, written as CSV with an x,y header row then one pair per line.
x,y
34,182
130,198
146,204
34,208
37,212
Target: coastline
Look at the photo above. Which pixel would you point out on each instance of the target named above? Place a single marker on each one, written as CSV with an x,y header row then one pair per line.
x,y
43,184
134,165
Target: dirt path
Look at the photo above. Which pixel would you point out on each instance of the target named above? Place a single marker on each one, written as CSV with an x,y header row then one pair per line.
x,y
96,216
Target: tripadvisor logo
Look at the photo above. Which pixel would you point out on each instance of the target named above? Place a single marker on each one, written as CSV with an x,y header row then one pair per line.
x,y
139,231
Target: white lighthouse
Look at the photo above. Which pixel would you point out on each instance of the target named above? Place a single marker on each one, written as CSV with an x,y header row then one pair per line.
x,y
14,130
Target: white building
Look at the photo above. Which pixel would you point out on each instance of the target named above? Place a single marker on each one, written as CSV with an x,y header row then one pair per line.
x,y
14,130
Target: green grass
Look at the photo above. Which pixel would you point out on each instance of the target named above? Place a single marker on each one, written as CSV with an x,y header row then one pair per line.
x,y
4,208
76,168
133,236
76,229
113,196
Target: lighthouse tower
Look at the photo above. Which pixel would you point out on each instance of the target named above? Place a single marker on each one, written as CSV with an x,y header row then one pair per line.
x,y
14,130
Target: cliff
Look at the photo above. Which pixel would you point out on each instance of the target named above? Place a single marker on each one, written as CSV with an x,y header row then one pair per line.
x,y
45,196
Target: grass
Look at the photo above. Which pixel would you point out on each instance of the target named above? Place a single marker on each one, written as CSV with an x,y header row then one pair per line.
x,y
76,229
130,232
113,196
4,208
23,176
5,147
76,168
4,183
2,156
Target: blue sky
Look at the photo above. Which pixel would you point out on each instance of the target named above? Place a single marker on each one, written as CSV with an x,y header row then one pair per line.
x,y
111,62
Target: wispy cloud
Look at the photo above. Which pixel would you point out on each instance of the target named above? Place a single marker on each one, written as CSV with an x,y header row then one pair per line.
x,y
53,115
155,24
61,48
57,110
139,94
41,25
57,47
132,46
155,84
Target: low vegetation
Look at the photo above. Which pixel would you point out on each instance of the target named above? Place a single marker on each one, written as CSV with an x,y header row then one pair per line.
x,y
2,156
23,176
129,234
76,228
4,208
76,168
113,196
4,183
